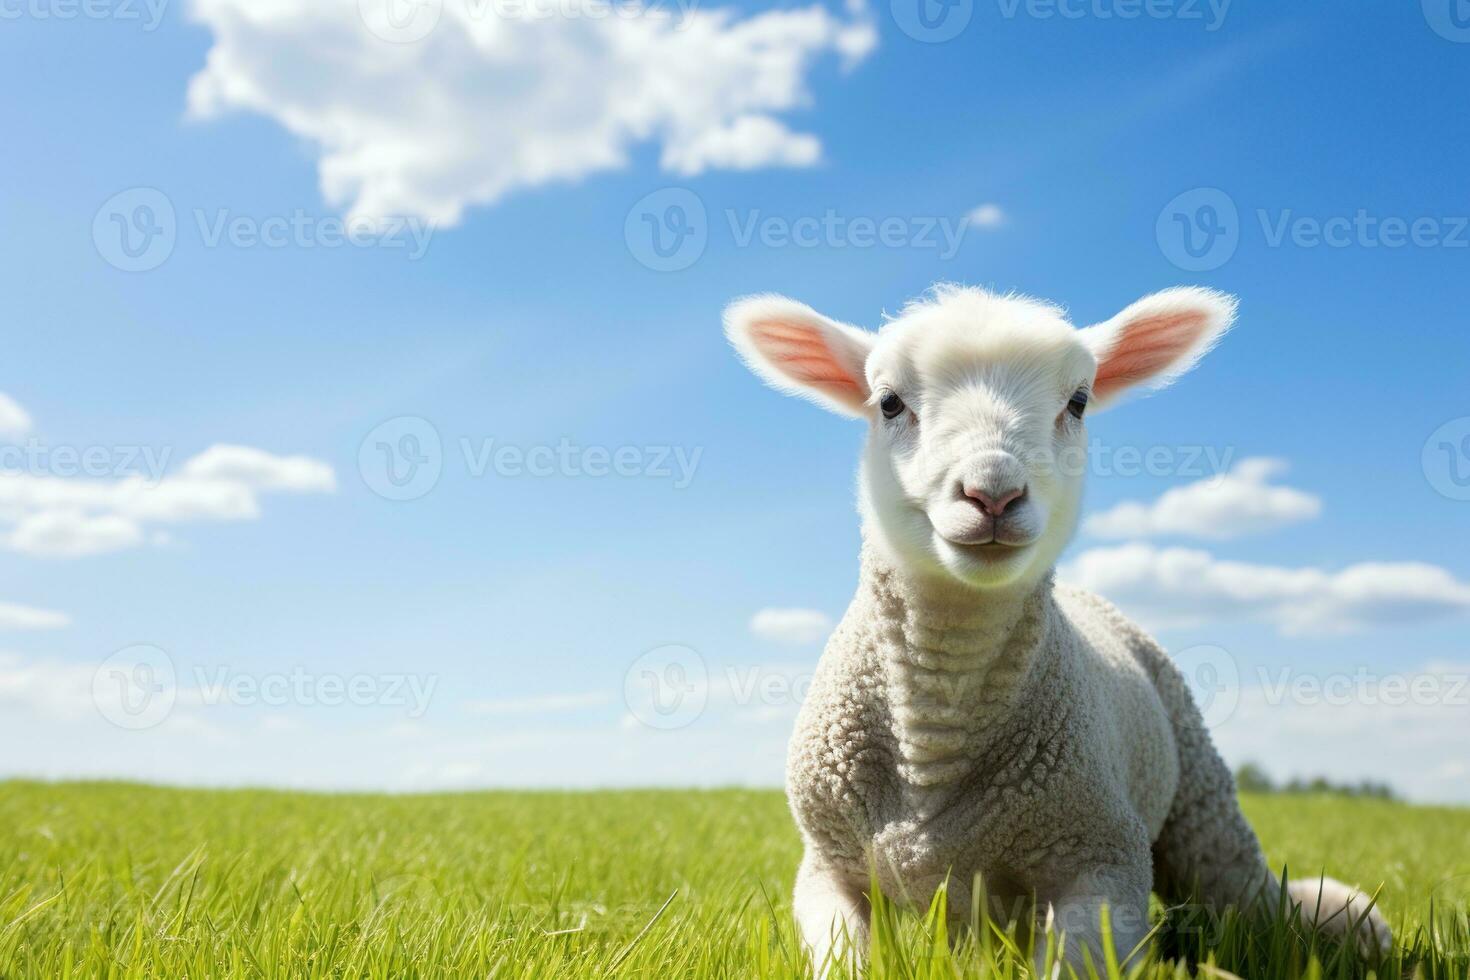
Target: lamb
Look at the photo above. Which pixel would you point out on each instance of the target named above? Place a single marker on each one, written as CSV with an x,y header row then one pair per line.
x,y
971,718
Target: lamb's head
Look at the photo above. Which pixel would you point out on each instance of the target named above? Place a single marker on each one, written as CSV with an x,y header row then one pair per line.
x,y
976,404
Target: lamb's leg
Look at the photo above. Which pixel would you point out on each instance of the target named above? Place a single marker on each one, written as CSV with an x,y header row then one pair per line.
x,y
1207,852
1074,914
831,915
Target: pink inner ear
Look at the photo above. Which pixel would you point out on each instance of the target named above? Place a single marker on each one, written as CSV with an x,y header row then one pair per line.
x,y
1147,348
801,353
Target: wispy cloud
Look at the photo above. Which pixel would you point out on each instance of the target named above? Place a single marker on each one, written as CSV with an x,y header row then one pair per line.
x,y
987,216
14,420
16,617
792,627
64,517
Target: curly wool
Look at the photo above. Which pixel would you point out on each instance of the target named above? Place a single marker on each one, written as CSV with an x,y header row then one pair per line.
x,y
1044,744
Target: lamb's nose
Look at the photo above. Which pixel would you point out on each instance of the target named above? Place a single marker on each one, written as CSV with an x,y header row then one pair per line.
x,y
993,503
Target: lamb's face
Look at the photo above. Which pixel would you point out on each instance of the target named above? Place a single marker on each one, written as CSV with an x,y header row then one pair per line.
x,y
976,406
973,466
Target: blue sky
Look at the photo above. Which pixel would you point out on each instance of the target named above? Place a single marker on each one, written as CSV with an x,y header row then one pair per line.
x,y
532,318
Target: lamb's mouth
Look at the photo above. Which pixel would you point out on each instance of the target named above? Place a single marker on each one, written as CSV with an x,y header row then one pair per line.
x,y
989,550
985,540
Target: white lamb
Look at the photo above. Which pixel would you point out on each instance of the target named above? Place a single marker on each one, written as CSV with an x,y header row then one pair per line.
x,y
971,717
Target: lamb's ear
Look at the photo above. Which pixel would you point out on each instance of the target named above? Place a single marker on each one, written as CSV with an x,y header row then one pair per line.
x,y
1156,339
795,349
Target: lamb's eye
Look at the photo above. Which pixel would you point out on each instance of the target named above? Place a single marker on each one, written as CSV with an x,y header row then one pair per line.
x,y
1078,404
890,405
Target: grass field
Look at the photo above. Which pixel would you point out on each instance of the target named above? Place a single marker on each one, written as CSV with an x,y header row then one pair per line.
x,y
127,881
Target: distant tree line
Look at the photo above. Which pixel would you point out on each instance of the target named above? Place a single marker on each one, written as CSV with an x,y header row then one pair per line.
x,y
1251,778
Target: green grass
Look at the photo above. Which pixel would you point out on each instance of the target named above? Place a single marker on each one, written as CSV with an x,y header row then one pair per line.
x,y
129,881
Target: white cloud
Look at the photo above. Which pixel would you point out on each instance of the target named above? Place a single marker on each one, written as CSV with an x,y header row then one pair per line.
x,y
1167,587
69,534
14,420
794,627
259,470
58,517
490,102
14,617
986,216
748,143
1239,502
